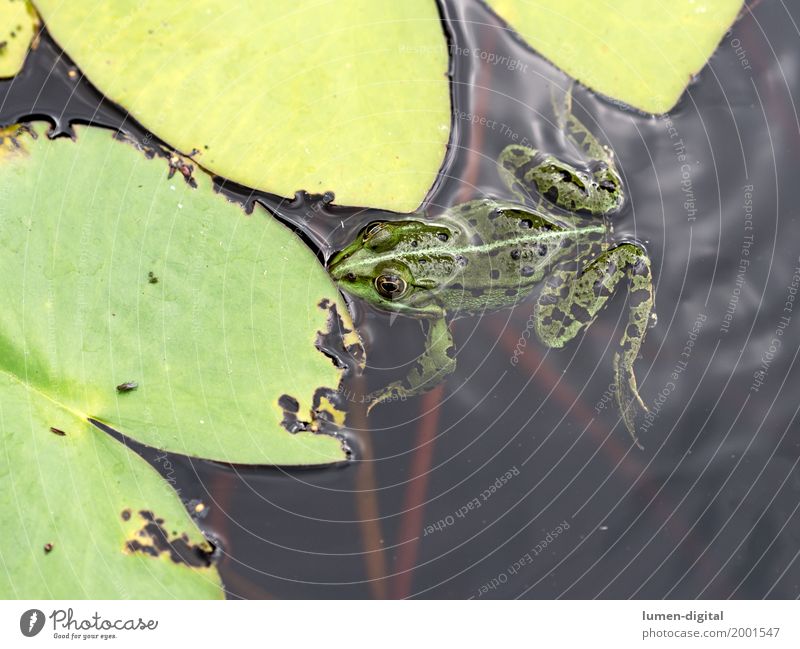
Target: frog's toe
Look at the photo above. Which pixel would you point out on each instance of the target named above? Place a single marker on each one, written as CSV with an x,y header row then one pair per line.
x,y
374,398
631,406
632,409
392,392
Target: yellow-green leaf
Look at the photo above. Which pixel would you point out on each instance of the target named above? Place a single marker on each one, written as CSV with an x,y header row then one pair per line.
x,y
17,25
640,52
283,95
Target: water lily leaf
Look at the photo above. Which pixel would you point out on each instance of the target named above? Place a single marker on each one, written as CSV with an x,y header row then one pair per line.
x,y
643,53
77,508
151,303
18,23
156,306
280,95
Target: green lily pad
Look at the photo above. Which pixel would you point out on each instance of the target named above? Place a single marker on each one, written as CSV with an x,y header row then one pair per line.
x,y
640,52
152,304
18,23
116,273
75,520
281,95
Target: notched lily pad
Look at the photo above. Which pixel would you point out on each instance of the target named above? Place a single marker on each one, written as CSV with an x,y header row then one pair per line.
x,y
341,343
65,483
642,53
139,299
152,539
228,327
18,25
280,95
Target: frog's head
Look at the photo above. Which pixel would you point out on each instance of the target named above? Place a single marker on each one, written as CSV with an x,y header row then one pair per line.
x,y
394,265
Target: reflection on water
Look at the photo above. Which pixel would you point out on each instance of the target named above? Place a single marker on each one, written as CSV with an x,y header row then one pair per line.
x,y
518,479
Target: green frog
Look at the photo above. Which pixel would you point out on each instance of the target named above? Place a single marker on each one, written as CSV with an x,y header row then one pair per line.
x,y
490,254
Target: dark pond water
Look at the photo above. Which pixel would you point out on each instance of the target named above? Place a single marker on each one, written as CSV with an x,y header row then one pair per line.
x,y
709,508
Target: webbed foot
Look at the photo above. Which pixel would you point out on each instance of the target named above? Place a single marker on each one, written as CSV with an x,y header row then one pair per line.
x,y
630,403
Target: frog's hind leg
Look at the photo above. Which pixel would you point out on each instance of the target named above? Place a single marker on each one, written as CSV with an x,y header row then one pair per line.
x,y
569,303
432,366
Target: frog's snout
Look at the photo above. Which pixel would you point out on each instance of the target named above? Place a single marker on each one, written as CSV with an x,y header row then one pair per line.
x,y
337,267
335,262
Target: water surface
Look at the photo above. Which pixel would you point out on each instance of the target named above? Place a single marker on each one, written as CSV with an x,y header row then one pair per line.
x,y
709,508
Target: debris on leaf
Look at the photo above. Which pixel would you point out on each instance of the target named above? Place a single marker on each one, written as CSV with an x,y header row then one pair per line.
x,y
197,508
177,163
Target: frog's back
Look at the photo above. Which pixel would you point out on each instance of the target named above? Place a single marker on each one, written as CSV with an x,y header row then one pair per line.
x,y
503,252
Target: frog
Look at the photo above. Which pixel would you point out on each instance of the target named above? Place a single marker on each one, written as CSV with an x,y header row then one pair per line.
x,y
552,239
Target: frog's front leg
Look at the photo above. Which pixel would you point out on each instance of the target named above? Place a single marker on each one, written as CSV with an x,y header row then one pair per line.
x,y
432,366
569,303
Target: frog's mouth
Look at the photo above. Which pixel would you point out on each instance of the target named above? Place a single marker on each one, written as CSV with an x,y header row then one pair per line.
x,y
336,260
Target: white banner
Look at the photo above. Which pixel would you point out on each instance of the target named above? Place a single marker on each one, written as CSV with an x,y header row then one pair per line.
x,y
381,625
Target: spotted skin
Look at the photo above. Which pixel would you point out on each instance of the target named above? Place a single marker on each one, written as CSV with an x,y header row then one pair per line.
x,y
487,254
595,189
570,302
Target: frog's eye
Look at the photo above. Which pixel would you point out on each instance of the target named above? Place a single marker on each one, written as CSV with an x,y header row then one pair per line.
x,y
372,229
390,286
